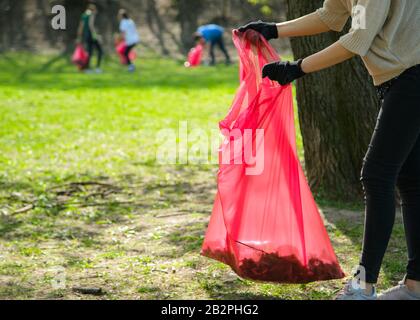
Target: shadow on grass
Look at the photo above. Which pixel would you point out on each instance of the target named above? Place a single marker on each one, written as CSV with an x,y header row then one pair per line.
x,y
80,205
187,238
7,185
351,225
233,292
14,290
9,225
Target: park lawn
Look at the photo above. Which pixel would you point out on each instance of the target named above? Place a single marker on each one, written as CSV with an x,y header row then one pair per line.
x,y
80,151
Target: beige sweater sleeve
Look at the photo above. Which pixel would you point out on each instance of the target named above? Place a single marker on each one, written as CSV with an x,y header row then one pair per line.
x,y
368,17
334,14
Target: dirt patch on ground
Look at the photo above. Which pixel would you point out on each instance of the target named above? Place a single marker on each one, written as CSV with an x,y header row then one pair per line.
x,y
144,245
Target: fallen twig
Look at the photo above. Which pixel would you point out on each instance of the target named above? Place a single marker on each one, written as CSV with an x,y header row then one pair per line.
x,y
83,201
84,184
161,271
173,215
28,208
100,204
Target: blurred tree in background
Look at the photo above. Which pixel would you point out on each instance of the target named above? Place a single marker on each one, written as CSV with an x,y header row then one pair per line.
x,y
188,12
11,19
165,25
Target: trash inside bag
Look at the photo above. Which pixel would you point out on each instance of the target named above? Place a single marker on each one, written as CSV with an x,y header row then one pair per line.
x,y
265,222
120,48
80,57
195,56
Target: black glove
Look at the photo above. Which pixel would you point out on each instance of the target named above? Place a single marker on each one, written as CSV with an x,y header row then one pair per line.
x,y
268,30
284,72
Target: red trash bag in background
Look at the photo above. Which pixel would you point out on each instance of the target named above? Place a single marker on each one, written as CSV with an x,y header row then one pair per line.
x,y
80,57
120,49
195,56
265,222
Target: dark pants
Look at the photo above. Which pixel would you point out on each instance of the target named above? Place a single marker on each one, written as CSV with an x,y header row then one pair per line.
x,y
221,44
127,53
393,160
92,44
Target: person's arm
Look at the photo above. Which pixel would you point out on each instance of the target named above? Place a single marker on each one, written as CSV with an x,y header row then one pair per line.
x,y
332,16
92,26
308,25
285,72
122,34
80,32
80,29
368,20
331,56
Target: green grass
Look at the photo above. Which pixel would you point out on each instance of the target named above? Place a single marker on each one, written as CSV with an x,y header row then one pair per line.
x,y
81,149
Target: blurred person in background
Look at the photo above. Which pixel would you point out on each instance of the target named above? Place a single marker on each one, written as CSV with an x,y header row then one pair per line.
x,y
212,34
89,37
130,36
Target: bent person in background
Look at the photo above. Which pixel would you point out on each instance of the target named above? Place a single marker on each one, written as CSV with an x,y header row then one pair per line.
x,y
212,35
383,36
130,35
89,37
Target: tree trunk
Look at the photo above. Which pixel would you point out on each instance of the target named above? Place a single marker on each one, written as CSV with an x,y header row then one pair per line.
x,y
337,110
12,21
74,10
107,22
156,25
188,14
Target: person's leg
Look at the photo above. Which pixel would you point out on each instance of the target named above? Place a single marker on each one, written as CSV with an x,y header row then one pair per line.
x,y
89,47
409,186
98,47
395,137
222,47
212,54
127,54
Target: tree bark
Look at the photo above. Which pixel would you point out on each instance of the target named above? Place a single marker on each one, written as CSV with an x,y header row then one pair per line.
x,y
107,21
156,25
337,110
12,21
188,14
74,10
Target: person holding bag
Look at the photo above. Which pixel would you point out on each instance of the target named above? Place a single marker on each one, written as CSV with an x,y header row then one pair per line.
x,y
88,36
385,34
129,33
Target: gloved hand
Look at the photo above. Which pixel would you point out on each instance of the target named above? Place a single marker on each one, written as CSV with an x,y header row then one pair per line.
x,y
268,30
284,72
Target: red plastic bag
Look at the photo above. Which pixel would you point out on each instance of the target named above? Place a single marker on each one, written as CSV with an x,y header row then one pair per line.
x,y
80,57
120,49
195,56
265,222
